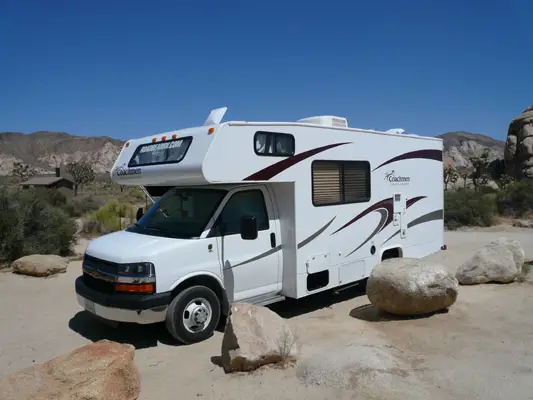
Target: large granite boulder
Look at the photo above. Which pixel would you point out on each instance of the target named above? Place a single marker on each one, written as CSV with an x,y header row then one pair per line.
x,y
40,265
410,287
519,146
255,336
499,261
98,371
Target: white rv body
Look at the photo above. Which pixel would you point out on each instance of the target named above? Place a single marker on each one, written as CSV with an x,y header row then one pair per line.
x,y
338,200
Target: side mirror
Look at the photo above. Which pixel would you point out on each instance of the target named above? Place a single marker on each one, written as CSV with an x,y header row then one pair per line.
x,y
139,214
248,228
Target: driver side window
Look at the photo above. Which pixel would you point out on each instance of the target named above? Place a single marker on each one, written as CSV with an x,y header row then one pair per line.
x,y
241,204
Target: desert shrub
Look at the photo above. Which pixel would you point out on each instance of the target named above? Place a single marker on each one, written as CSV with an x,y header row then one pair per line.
x,y
92,227
466,207
487,190
81,206
131,195
516,199
53,197
110,214
31,225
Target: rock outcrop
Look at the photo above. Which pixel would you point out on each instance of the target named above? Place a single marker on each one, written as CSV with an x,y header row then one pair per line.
x,y
43,150
460,146
256,336
523,223
519,146
410,287
498,261
99,371
40,265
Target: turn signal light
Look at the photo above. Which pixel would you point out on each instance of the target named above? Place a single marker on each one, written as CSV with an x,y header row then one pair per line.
x,y
135,288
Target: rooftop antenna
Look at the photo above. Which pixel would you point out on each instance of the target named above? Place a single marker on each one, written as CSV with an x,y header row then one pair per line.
x,y
215,116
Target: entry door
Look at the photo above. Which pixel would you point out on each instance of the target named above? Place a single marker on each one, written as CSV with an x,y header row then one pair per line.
x,y
399,209
251,267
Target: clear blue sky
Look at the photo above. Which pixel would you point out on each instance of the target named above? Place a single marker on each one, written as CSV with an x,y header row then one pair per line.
x,y
133,68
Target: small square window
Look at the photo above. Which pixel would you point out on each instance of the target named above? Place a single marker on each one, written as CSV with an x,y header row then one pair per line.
x,y
273,144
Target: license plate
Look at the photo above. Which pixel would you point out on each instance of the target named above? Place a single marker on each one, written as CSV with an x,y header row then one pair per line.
x,y
89,306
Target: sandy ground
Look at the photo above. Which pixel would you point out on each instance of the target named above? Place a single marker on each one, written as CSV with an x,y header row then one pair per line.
x,y
480,349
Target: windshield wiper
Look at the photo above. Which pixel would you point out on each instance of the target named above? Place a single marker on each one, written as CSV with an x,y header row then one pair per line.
x,y
163,231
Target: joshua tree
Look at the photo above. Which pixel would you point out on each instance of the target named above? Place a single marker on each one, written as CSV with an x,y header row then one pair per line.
x,y
450,176
464,173
480,175
504,180
82,173
22,172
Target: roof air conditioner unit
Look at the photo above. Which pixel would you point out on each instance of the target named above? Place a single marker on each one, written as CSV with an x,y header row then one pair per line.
x,y
327,120
398,131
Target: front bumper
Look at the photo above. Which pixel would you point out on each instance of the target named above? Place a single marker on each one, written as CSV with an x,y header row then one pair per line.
x,y
123,307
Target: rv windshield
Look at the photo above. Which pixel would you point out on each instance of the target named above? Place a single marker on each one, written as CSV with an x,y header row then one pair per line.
x,y
180,213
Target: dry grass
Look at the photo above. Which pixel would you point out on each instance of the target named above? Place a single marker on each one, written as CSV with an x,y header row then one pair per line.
x,y
527,272
288,346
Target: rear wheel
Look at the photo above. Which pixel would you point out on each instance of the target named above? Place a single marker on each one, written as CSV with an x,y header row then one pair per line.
x,y
193,315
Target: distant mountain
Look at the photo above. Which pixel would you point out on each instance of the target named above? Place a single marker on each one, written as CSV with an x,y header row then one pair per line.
x,y
45,150
460,146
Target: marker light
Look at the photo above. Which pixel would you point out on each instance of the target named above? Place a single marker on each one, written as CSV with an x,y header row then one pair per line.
x,y
164,138
210,131
135,288
154,140
174,136
127,144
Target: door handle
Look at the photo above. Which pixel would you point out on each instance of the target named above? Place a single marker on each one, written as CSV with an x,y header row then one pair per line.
x,y
273,239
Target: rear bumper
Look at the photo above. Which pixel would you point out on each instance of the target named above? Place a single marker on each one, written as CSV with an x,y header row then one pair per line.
x,y
134,308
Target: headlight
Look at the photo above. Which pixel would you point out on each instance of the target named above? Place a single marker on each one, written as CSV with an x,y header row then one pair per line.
x,y
137,269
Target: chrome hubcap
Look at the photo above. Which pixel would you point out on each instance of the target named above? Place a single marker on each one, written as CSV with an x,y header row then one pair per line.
x,y
197,315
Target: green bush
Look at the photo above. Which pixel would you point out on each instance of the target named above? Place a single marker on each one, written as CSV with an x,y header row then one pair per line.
x,y
132,195
82,206
466,207
109,216
516,200
30,225
73,206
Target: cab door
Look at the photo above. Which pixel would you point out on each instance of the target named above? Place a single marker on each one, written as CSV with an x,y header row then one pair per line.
x,y
251,267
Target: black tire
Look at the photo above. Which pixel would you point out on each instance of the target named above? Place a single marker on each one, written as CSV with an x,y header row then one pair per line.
x,y
175,312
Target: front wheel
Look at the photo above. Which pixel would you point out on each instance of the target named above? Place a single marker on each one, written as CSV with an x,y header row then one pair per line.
x,y
193,315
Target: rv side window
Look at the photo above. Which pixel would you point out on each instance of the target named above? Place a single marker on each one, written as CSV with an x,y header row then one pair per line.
x,y
273,144
244,203
340,182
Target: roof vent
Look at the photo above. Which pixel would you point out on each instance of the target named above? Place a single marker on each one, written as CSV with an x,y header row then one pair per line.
x,y
398,131
328,120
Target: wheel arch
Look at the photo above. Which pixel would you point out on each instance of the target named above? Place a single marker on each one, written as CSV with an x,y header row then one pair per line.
x,y
206,279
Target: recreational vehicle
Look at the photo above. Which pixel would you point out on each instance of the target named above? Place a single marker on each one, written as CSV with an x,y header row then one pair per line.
x,y
258,212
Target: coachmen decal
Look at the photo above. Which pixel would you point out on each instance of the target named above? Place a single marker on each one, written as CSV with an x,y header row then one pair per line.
x,y
123,171
396,179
